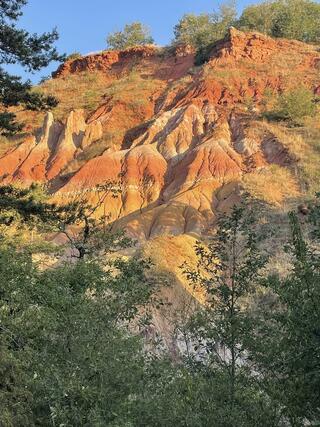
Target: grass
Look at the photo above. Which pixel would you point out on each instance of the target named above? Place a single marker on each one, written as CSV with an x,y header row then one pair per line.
x,y
168,253
5,145
283,64
304,143
132,86
272,185
80,90
87,90
228,77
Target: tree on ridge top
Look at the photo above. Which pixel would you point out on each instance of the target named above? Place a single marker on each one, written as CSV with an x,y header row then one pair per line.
x,y
132,35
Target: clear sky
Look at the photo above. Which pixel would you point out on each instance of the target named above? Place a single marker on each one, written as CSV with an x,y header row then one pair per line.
x,y
84,24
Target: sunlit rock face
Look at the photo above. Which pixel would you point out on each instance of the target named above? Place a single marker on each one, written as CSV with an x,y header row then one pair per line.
x,y
180,153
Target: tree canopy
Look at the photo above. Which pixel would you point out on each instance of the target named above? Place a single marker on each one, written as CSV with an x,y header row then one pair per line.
x,y
32,52
291,19
72,352
201,30
132,35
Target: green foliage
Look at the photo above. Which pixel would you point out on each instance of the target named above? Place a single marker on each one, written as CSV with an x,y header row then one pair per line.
x,y
93,236
294,105
68,357
8,124
194,30
32,52
27,205
132,35
30,208
228,268
292,19
202,30
287,335
194,396
260,17
73,56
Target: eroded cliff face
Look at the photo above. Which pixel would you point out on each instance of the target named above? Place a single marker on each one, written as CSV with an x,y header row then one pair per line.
x,y
179,139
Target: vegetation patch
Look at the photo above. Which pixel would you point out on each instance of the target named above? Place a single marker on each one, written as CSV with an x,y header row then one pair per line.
x,y
294,106
85,90
304,144
272,185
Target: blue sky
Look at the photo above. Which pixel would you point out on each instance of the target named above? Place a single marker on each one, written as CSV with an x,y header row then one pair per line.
x,y
84,24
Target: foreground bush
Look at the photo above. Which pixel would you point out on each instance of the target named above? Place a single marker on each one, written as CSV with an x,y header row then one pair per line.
x,y
69,354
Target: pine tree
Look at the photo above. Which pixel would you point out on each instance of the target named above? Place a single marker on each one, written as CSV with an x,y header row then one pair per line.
x,y
32,52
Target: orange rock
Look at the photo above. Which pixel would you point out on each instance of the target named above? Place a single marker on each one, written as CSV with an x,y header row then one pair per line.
x,y
179,153
11,161
33,168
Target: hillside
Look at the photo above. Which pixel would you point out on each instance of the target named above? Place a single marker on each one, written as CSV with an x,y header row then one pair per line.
x,y
160,216
184,141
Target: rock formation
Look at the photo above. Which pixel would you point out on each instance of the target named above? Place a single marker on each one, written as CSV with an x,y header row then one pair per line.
x,y
182,158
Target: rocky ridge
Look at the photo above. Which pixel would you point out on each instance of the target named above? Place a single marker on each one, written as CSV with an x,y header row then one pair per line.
x,y
182,156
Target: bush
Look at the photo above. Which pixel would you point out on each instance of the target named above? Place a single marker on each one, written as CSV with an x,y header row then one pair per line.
x,y
295,105
132,35
203,54
73,56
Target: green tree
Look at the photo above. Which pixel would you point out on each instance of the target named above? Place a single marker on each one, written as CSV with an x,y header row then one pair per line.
x,y
132,35
287,334
68,355
298,19
260,17
194,30
68,351
228,269
32,52
23,205
87,234
291,19
200,31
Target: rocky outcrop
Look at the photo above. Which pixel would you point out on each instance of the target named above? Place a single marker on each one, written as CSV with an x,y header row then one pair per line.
x,y
117,61
253,46
104,61
33,167
239,45
180,153
11,161
42,157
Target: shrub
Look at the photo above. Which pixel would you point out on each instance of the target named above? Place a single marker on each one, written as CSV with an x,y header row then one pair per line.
x,y
295,105
73,56
132,35
203,54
